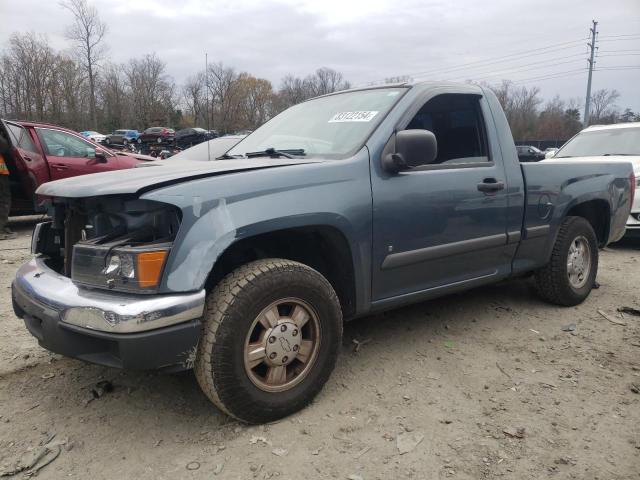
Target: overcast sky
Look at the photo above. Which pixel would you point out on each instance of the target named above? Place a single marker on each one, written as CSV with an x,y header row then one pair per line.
x,y
526,41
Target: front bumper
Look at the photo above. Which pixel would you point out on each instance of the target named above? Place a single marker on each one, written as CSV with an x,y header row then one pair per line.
x,y
633,225
139,332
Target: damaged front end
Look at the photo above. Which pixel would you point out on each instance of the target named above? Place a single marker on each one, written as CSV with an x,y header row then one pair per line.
x,y
113,242
93,290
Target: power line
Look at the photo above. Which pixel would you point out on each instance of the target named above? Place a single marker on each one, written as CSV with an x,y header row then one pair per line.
x,y
568,73
493,60
620,36
531,66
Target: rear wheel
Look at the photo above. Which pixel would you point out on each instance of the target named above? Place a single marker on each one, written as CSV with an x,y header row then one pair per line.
x,y
107,140
125,142
272,330
571,272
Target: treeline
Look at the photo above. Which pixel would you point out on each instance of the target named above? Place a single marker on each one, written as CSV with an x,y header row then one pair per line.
x,y
531,118
82,90
38,83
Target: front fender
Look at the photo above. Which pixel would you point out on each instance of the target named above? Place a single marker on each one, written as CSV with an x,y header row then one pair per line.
x,y
219,211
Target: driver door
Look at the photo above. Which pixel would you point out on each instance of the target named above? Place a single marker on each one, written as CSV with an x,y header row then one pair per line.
x,y
69,155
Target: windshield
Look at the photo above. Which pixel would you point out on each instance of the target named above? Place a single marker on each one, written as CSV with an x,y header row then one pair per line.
x,y
614,141
334,126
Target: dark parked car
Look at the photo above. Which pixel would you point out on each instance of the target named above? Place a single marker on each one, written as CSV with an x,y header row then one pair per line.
x,y
188,137
342,206
122,137
157,135
529,153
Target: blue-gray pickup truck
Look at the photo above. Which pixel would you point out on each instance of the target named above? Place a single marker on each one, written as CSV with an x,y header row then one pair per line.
x,y
244,267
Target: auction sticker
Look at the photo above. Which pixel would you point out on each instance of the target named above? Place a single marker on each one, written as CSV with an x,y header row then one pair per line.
x,y
362,116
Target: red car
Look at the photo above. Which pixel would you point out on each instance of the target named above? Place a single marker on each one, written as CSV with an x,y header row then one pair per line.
x,y
157,135
41,152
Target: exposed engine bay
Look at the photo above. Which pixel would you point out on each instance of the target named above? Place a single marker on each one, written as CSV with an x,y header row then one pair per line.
x,y
108,242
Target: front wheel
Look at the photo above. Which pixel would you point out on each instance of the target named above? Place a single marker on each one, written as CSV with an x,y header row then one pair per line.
x,y
272,330
571,272
125,142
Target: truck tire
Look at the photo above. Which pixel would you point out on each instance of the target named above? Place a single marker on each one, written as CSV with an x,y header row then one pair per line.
x,y
571,272
271,333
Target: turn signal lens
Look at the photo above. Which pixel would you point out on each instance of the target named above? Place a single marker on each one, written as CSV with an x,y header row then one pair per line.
x,y
149,268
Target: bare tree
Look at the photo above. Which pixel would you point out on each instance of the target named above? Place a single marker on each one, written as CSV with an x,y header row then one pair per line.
x,y
603,106
87,33
151,91
326,80
194,98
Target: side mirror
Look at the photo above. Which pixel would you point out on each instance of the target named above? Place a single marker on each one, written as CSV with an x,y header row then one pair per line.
x,y
413,148
100,156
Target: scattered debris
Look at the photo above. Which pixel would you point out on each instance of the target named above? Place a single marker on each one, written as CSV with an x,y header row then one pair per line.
x,y
256,439
359,343
33,461
193,465
503,371
630,311
218,468
47,376
635,388
102,387
535,331
354,477
611,319
514,432
280,452
406,442
316,451
362,452
448,344
569,328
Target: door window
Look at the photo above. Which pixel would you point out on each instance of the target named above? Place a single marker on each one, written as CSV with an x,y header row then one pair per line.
x,y
21,138
61,144
456,121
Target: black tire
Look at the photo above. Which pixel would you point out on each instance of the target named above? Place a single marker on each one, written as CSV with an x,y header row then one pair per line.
x,y
125,142
107,140
139,140
231,311
552,280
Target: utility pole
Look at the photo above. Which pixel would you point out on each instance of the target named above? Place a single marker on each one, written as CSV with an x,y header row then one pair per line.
x,y
591,60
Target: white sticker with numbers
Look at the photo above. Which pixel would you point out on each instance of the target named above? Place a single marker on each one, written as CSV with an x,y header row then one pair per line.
x,y
362,116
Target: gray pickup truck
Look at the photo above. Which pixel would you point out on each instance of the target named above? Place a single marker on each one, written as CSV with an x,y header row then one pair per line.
x,y
244,267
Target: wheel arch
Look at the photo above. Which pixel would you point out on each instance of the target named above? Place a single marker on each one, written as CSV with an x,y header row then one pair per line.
x,y
598,213
322,247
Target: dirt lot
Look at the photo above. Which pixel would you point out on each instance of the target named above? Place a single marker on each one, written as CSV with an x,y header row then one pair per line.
x,y
456,381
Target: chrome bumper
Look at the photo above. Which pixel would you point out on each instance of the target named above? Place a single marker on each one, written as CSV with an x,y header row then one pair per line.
x,y
43,293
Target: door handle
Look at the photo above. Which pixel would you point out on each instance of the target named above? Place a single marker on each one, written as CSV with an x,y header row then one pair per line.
x,y
60,166
28,159
490,185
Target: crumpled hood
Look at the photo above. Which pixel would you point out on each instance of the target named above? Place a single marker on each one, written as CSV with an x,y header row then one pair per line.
x,y
156,174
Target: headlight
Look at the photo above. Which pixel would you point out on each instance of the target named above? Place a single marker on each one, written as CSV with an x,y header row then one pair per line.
x,y
133,269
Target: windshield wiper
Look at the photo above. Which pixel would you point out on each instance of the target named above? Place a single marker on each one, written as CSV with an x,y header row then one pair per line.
x,y
226,156
272,152
619,154
563,156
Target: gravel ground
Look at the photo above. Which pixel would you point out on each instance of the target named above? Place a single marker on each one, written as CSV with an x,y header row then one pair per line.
x,y
491,383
